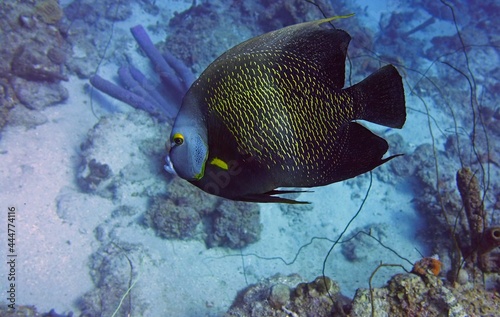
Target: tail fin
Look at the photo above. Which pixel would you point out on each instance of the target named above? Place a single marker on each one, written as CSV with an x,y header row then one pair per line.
x,y
382,98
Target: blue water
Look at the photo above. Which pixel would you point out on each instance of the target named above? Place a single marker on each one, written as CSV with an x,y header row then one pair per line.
x,y
103,230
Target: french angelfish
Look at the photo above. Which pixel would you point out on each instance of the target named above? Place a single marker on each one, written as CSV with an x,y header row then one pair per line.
x,y
272,112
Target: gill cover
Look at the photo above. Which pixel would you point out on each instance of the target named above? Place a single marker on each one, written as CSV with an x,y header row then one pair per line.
x,y
189,146
188,158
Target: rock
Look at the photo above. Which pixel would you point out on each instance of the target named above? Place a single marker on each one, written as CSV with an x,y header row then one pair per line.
x,y
463,277
172,221
33,54
184,193
234,224
7,101
21,116
408,295
280,295
404,295
118,12
38,95
49,11
94,176
112,272
360,246
289,296
57,55
32,63
177,213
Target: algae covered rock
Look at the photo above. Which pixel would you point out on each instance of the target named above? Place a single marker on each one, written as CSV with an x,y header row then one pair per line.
x,y
171,220
92,174
186,212
33,54
408,295
234,224
404,295
289,296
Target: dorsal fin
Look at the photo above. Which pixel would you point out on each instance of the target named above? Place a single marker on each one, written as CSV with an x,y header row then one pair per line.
x,y
324,46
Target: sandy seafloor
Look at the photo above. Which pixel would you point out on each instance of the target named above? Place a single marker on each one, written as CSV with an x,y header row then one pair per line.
x,y
182,278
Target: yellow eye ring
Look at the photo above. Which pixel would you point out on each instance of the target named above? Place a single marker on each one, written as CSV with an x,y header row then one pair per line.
x,y
178,139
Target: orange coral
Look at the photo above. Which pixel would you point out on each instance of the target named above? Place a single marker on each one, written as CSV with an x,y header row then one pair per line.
x,y
427,266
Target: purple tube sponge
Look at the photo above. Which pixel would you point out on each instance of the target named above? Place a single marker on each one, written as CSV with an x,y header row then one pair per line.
x,y
167,74
169,108
185,74
139,92
122,94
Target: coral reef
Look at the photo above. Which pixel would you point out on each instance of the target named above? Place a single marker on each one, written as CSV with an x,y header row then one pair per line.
x,y
183,193
426,266
27,311
413,295
283,296
477,242
166,70
116,164
281,13
34,63
224,223
86,18
38,95
295,212
38,44
234,224
407,295
420,168
404,295
220,27
171,220
33,53
118,12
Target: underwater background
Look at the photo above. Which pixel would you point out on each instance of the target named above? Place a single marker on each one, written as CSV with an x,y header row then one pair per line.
x,y
92,224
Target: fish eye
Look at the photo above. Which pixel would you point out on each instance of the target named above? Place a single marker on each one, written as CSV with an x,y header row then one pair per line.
x,y
178,139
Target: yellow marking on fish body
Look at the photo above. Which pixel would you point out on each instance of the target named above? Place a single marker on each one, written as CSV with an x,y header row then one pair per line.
x,y
220,163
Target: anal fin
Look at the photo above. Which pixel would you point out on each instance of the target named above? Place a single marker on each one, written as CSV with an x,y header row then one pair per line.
x,y
363,152
270,198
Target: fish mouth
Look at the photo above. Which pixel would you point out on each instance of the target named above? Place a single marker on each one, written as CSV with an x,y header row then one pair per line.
x,y
169,167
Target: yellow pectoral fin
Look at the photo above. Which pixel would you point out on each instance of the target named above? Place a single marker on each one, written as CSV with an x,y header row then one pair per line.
x,y
220,163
